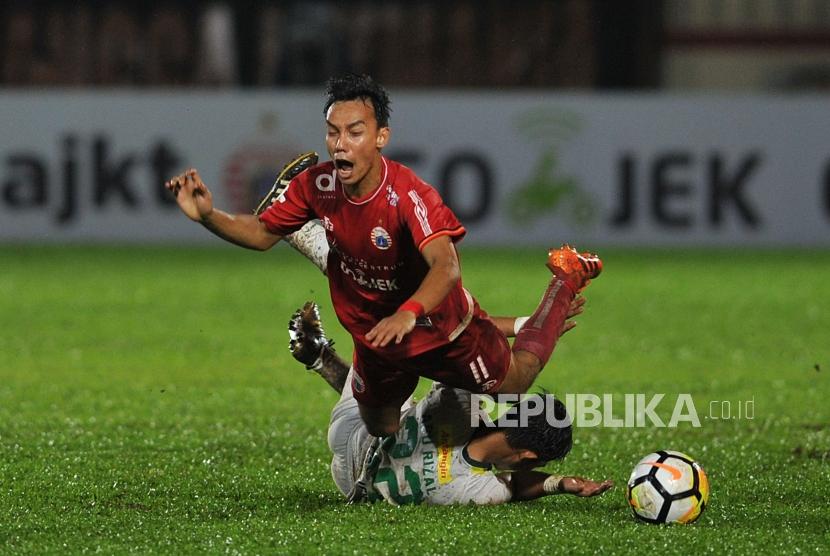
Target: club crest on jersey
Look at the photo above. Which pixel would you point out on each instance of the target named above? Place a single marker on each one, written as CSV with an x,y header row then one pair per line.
x,y
381,238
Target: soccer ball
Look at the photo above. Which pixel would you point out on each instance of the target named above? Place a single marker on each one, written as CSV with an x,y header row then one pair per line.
x,y
668,487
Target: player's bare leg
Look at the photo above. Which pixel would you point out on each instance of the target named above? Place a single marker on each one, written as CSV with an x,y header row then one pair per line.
x,y
535,341
310,346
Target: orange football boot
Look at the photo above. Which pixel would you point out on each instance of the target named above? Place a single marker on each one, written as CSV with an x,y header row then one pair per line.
x,y
576,269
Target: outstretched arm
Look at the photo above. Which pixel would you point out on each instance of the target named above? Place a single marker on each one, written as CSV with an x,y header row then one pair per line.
x,y
196,202
529,485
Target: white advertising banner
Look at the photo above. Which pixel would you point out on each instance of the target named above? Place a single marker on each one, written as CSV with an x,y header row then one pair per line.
x,y
525,168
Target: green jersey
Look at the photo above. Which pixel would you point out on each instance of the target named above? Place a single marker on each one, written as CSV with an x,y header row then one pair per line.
x,y
426,461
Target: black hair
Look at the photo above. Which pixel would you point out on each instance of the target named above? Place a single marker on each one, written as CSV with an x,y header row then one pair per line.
x,y
352,86
548,440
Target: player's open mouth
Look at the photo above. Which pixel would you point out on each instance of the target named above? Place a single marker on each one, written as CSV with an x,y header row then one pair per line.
x,y
344,168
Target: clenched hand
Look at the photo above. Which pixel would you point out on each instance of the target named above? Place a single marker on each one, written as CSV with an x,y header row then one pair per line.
x,y
192,195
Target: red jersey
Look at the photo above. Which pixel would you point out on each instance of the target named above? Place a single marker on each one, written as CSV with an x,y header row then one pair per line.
x,y
374,261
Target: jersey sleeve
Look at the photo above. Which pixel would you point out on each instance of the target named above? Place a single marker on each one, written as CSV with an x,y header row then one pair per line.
x,y
291,210
427,217
488,489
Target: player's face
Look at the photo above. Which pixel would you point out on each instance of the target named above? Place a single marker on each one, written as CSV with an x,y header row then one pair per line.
x,y
354,140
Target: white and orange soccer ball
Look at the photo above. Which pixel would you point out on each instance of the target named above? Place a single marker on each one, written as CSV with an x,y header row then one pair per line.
x,y
668,487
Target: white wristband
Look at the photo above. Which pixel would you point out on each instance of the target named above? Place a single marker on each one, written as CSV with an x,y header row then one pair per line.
x,y
518,324
552,483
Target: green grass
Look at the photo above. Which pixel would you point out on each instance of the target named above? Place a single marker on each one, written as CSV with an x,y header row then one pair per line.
x,y
148,404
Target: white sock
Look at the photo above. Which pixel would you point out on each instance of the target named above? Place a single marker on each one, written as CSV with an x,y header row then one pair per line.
x,y
310,240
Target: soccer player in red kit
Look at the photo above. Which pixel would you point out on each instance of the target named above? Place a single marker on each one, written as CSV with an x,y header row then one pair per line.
x,y
393,269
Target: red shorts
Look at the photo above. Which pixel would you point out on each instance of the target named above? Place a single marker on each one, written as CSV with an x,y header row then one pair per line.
x,y
476,361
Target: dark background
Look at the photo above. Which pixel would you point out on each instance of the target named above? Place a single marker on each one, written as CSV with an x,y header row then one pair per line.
x,y
567,44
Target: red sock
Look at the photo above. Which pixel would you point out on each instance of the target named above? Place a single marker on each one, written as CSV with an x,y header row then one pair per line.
x,y
541,331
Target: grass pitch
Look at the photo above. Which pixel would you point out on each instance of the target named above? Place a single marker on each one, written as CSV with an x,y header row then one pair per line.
x,y
148,404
